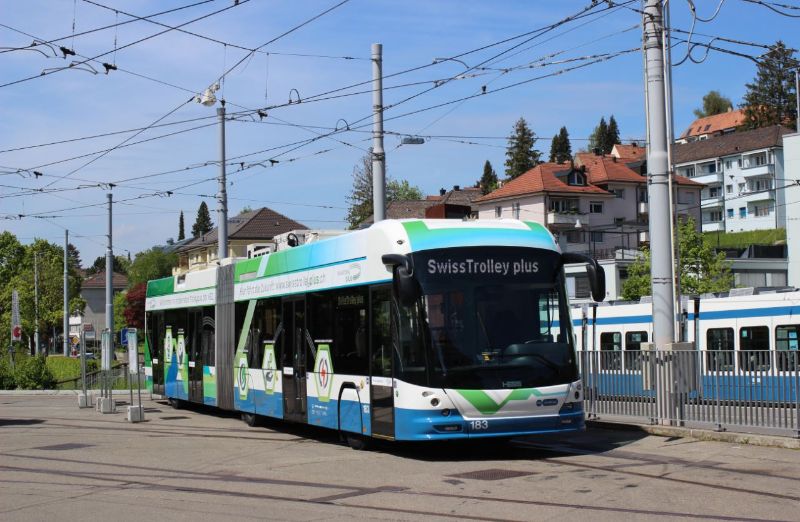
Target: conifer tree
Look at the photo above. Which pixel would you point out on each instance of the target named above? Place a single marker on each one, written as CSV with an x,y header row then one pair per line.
x,y
181,233
598,138
488,181
612,135
520,154
560,149
202,224
770,99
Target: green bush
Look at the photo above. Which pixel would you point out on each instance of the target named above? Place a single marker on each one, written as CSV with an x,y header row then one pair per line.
x,y
7,381
32,373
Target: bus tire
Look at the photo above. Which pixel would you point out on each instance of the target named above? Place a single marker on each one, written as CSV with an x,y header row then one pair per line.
x,y
251,419
357,442
175,403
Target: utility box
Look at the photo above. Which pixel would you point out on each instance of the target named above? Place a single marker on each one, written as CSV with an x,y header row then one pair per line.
x,y
136,413
106,405
85,401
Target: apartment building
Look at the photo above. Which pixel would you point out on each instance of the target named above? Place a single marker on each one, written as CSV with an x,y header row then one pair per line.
x,y
712,126
743,174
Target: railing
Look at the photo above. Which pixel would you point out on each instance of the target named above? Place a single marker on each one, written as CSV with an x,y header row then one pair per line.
x,y
118,376
755,391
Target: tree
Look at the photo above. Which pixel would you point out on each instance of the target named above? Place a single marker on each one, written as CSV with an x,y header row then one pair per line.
x,y
520,154
360,198
202,224
120,321
701,270
713,103
121,265
151,264
181,232
560,149
134,307
246,208
73,256
612,135
17,273
770,99
597,140
488,181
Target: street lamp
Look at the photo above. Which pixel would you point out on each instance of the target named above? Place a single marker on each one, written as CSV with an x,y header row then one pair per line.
x,y
208,99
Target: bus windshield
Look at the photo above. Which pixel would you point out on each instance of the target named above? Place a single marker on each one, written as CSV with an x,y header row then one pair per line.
x,y
494,318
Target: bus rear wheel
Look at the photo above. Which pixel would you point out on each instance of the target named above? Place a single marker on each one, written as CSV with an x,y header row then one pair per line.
x,y
251,419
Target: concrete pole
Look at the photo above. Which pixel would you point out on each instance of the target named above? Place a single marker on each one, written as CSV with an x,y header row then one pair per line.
x,y
797,99
109,280
66,295
658,178
378,154
36,303
222,197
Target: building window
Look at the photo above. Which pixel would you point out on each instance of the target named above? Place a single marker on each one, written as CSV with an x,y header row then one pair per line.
x,y
685,198
576,178
741,187
597,237
689,172
515,210
730,213
595,207
564,205
728,164
618,193
643,195
742,212
709,168
739,162
761,211
729,189
715,216
574,236
498,211
713,192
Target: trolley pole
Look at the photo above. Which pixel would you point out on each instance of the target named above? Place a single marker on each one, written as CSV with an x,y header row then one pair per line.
x,y
378,154
66,295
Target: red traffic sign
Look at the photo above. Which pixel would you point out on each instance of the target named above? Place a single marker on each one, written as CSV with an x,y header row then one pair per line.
x,y
16,333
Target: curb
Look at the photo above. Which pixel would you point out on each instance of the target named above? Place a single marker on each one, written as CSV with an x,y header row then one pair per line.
x,y
751,439
60,392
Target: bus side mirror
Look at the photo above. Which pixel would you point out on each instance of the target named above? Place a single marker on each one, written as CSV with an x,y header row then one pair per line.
x,y
404,285
597,276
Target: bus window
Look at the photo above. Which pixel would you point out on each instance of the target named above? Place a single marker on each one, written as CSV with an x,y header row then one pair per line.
x,y
380,333
719,349
754,348
787,344
633,345
207,334
610,346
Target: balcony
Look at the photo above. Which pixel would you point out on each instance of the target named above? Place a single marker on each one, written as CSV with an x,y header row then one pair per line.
x,y
711,202
759,170
713,226
562,219
708,178
761,195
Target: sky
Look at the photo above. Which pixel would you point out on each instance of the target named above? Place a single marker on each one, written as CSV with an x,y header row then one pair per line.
x,y
163,151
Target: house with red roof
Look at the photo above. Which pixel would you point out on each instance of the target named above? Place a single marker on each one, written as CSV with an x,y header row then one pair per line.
x,y
710,126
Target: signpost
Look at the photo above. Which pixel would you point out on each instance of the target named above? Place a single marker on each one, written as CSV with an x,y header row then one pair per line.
x,y
105,403
123,336
135,413
16,327
84,401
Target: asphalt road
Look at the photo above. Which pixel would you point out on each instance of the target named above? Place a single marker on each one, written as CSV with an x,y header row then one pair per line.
x,y
60,463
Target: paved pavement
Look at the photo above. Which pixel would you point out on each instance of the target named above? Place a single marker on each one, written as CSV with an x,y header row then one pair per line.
x,y
58,462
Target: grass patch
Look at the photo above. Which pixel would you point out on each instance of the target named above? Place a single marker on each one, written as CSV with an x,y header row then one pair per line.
x,y
64,368
744,239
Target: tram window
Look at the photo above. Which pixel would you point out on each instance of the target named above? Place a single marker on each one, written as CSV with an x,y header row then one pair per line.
x,y
350,349
380,320
610,346
754,348
262,328
207,339
787,346
719,349
633,345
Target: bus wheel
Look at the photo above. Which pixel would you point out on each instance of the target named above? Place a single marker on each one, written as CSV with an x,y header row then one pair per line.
x,y
357,442
175,403
250,419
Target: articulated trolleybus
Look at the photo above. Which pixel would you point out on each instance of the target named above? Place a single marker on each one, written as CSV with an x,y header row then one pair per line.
x,y
408,330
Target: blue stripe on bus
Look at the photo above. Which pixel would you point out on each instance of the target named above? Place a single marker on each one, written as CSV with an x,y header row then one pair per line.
x,y
719,314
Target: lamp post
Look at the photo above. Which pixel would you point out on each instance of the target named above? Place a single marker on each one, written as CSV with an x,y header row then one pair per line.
x,y
208,99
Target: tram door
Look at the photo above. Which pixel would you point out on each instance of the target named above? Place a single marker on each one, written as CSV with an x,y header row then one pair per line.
x,y
294,355
155,341
381,383
195,351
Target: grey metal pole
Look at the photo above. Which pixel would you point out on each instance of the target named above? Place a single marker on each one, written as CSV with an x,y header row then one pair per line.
x,y
378,154
222,197
66,295
36,303
109,281
658,179
797,99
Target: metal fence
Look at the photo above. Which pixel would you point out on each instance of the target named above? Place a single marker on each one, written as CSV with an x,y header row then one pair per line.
x,y
745,391
118,378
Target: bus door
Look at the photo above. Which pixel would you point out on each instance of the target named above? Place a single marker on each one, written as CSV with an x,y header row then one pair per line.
x,y
294,356
381,379
155,342
195,355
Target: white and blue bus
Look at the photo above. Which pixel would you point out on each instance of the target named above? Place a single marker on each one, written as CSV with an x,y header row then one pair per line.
x,y
408,330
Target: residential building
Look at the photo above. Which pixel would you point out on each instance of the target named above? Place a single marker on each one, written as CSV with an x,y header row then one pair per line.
x,y
248,232
597,206
458,203
743,174
711,126
93,291
791,147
